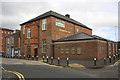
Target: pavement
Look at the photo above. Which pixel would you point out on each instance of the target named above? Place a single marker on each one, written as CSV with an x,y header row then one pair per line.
x,y
82,63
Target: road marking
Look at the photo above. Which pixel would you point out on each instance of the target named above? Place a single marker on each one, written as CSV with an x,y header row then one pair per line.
x,y
19,75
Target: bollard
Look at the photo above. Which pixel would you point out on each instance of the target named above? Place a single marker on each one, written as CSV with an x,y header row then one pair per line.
x,y
95,60
67,61
36,58
114,57
104,60
58,61
24,56
110,59
51,60
17,56
43,58
20,56
32,57
47,59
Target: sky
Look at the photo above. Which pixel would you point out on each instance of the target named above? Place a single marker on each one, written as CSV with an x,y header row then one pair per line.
x,y
100,15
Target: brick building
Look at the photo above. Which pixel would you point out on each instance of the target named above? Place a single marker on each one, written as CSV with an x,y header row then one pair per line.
x,y
4,32
54,35
38,33
84,46
12,44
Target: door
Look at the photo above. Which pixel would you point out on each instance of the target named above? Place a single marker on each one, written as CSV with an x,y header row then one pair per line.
x,y
35,52
18,51
12,51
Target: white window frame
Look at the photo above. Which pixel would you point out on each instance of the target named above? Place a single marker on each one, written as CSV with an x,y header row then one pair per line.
x,y
44,26
12,39
23,29
44,46
29,33
8,40
78,50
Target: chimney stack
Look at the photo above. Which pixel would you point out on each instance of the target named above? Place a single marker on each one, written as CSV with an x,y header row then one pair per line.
x,y
67,15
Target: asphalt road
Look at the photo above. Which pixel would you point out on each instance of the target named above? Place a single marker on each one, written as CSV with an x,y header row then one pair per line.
x,y
35,69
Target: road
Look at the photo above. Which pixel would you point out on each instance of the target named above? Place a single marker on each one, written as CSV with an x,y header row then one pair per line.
x,y
37,69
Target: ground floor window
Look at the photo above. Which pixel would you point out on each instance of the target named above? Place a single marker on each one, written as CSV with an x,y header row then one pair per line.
x,y
62,50
72,50
44,46
78,50
28,50
67,51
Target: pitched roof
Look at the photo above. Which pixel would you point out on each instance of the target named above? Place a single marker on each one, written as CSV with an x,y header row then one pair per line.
x,y
57,15
81,36
6,29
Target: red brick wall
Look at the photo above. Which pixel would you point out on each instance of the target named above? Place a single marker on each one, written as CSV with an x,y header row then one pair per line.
x,y
88,49
2,42
52,32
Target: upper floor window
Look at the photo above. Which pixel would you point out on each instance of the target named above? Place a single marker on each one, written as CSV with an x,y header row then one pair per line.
x,y
12,39
23,29
3,32
8,40
44,24
29,33
8,32
60,23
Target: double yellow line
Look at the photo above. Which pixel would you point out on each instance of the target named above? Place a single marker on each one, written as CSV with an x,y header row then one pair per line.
x,y
19,75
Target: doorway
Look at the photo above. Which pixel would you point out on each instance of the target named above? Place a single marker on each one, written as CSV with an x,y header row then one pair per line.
x,y
12,51
35,52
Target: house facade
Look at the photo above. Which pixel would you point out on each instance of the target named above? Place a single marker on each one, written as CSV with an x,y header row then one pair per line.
x,y
4,32
38,33
12,44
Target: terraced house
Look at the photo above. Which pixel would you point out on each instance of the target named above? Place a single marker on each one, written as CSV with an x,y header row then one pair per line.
x,y
12,44
4,32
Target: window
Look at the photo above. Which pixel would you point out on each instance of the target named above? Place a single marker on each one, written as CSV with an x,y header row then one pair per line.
x,y
60,23
23,29
109,48
12,39
8,32
2,31
8,40
77,30
29,33
67,51
62,50
44,24
73,50
78,50
43,46
28,50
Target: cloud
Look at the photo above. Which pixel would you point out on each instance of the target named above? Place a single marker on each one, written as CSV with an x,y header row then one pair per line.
x,y
100,15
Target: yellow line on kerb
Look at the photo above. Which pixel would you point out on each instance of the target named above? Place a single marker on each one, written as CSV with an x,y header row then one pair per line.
x,y
20,76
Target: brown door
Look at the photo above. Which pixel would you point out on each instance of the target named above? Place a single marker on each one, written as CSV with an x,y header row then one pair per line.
x,y
35,52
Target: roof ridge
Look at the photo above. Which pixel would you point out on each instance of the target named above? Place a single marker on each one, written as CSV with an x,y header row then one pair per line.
x,y
55,14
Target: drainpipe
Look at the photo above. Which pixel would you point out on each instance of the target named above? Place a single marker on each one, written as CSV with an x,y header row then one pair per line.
x,y
53,49
38,38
